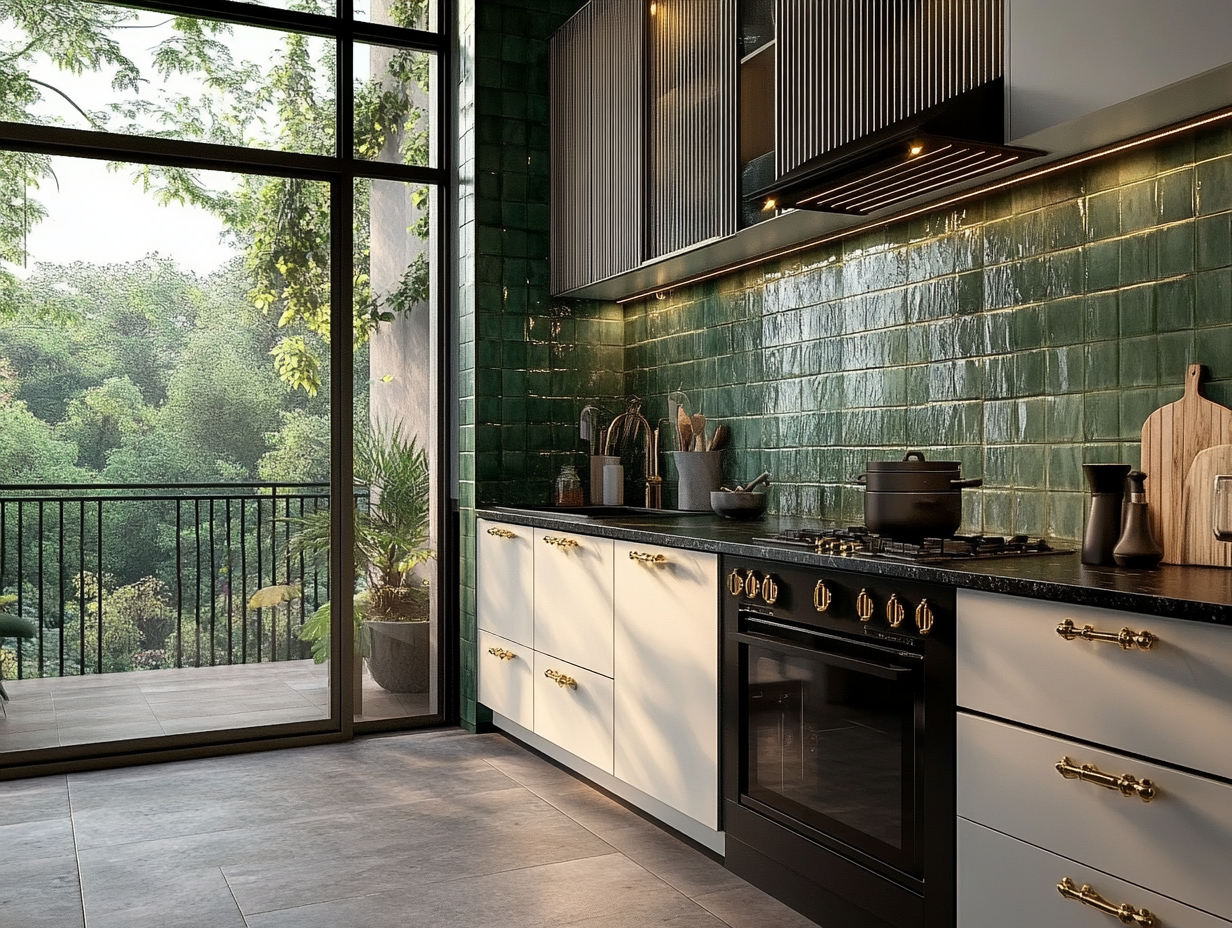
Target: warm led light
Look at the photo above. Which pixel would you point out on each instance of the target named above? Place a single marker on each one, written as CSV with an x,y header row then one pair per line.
x,y
654,8
916,149
769,205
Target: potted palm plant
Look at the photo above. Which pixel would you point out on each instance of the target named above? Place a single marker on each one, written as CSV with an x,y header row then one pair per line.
x,y
391,602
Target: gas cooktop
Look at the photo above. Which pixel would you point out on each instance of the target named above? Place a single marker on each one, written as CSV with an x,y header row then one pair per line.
x,y
858,541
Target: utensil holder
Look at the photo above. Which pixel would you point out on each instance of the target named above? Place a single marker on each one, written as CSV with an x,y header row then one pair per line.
x,y
700,473
597,463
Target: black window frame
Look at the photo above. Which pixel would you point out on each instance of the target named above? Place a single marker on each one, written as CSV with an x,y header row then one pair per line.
x,y
340,171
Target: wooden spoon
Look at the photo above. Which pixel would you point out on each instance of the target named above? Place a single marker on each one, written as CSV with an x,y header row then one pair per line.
x,y
684,427
699,431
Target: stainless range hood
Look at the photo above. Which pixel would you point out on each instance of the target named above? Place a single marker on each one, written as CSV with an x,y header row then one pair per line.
x,y
956,141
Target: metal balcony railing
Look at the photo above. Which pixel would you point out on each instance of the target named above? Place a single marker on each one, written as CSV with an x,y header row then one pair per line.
x,y
120,577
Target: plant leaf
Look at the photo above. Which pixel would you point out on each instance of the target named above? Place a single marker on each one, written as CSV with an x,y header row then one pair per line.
x,y
276,595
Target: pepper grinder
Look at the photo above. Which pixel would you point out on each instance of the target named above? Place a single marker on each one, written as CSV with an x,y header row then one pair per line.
x,y
1137,547
1107,483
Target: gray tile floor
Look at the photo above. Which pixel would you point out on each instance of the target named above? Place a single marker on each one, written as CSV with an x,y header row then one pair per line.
x,y
147,704
438,829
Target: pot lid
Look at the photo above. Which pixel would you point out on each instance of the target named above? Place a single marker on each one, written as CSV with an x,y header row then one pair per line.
x,y
913,462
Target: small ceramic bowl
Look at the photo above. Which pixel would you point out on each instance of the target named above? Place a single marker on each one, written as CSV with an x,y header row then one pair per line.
x,y
733,505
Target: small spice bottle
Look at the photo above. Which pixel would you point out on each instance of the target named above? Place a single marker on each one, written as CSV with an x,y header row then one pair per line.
x,y
568,488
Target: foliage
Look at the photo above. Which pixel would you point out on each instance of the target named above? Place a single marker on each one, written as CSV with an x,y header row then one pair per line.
x,y
391,536
299,450
30,452
99,419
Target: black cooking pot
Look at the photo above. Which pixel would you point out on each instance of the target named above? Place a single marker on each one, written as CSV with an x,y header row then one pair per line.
x,y
913,499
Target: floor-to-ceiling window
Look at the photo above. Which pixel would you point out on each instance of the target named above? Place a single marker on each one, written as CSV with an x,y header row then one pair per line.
x,y
222,311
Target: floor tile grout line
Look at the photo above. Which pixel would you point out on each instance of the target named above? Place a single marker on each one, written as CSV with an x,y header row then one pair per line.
x,y
222,871
72,823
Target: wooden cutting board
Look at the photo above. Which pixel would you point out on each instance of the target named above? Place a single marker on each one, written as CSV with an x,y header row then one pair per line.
x,y
1171,438
1200,545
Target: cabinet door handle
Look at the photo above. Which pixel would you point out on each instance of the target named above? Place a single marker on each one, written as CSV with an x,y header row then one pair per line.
x,y
1125,785
647,558
502,654
501,533
1127,639
560,679
560,542
1124,912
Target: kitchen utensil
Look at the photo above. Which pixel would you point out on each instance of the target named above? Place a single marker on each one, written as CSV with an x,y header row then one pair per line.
x,y
676,401
1107,483
684,428
738,505
613,484
588,426
699,472
1137,546
761,479
912,517
720,438
698,422
1172,437
1207,509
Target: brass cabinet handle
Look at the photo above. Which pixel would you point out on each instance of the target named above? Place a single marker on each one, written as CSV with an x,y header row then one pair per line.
x,y
895,613
822,596
560,679
501,532
1126,785
647,558
1125,912
769,591
735,583
502,654
1127,639
865,606
560,542
924,617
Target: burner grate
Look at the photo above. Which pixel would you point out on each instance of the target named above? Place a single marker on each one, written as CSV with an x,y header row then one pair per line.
x,y
857,541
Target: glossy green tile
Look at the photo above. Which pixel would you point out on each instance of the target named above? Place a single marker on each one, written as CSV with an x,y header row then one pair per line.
x,y
1176,249
1213,298
1101,416
1174,304
1214,247
1176,196
1065,467
1103,265
1214,186
1139,258
1139,362
1030,369
1139,209
1137,311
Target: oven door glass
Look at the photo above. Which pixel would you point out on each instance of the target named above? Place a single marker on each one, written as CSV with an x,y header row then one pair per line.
x,y
830,741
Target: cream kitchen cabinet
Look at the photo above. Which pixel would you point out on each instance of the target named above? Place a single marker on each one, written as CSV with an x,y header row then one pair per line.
x,y
1120,780
616,673
505,597
666,661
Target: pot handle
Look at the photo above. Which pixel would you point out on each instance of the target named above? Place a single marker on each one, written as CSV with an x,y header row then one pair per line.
x,y
860,480
914,456
966,484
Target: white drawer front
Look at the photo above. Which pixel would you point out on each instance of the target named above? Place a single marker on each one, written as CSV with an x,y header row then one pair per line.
x,y
1179,844
506,681
573,599
1173,702
577,718
504,603
1007,883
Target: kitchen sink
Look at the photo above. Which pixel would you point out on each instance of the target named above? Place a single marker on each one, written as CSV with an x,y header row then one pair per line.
x,y
603,512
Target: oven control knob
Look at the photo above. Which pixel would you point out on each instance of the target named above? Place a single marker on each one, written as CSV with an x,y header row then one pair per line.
x,y
769,591
822,596
735,583
924,617
752,586
865,607
895,613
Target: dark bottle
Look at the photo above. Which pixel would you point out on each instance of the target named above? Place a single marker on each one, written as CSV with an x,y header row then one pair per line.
x,y
1137,547
1107,483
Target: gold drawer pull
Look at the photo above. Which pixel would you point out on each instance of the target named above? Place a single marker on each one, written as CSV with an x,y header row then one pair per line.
x,y
1125,912
1127,639
560,542
560,679
502,654
647,558
1127,785
501,533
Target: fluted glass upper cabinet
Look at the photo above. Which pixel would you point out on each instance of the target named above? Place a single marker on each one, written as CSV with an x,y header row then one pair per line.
x,y
690,136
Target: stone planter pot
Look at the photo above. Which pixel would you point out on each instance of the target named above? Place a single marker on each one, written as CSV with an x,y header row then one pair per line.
x,y
398,655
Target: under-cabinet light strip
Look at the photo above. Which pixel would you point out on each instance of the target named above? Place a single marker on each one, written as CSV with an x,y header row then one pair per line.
x,y
965,196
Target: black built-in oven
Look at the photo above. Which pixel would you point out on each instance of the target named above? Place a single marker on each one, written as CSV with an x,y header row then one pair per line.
x,y
838,693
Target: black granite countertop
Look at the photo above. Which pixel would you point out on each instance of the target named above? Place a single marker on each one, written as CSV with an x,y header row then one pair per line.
x,y
1199,593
